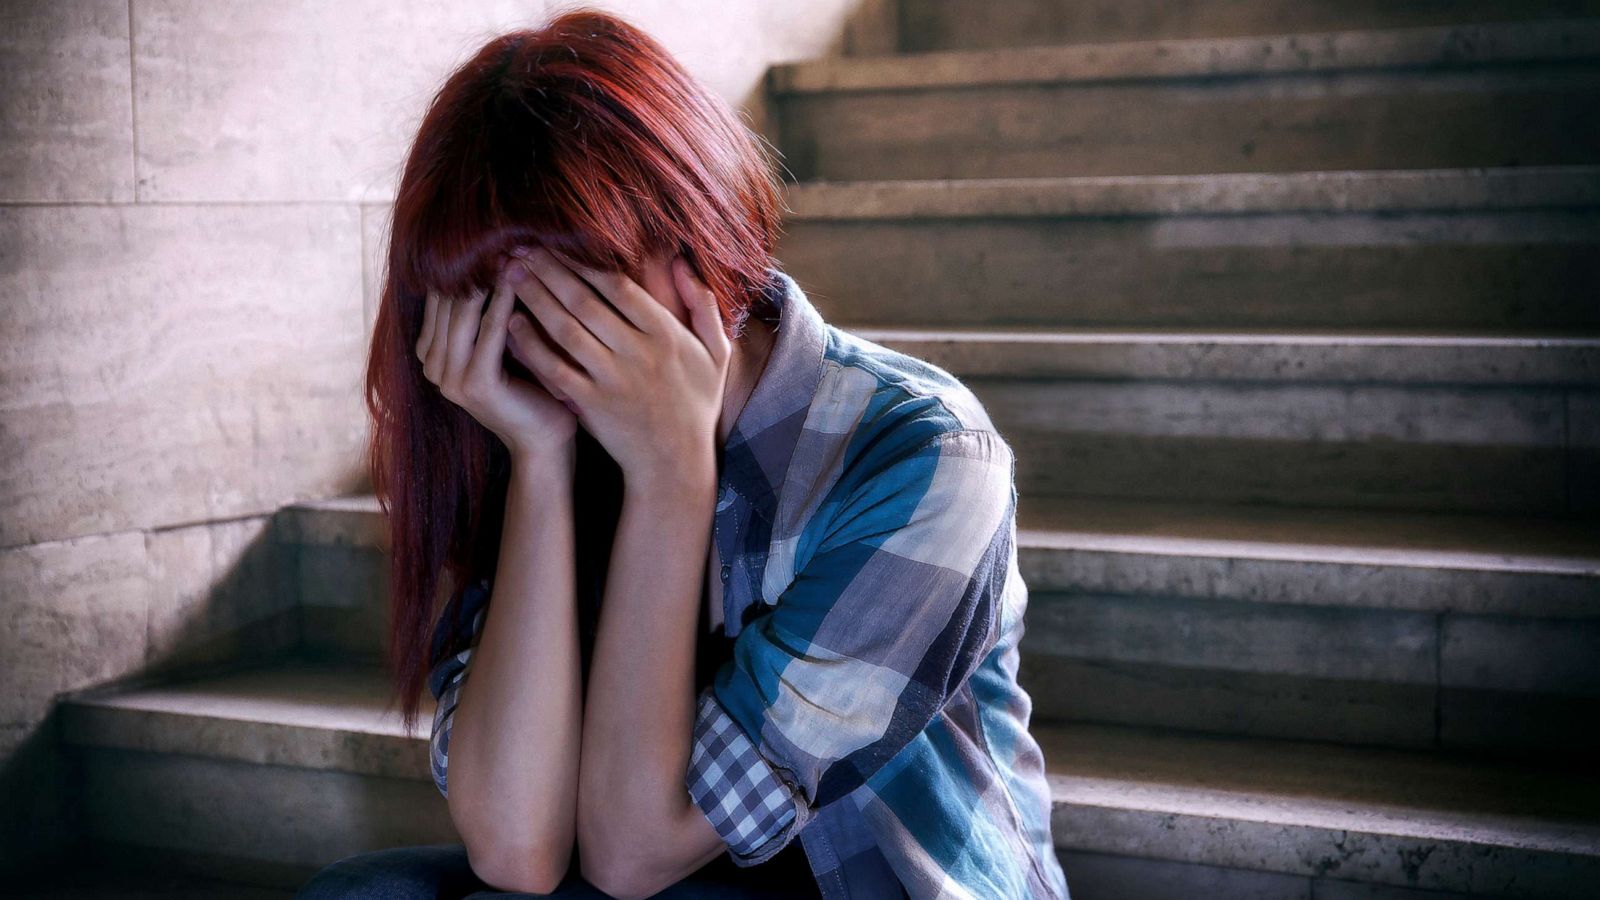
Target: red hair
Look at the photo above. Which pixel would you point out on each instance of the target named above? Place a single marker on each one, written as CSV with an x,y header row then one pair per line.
x,y
583,134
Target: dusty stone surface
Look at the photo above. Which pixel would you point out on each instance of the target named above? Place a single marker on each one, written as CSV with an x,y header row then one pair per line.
x,y
946,24
1397,191
317,102
345,777
1516,270
1409,119
1310,356
1456,45
1388,817
159,386
77,612
67,104
220,591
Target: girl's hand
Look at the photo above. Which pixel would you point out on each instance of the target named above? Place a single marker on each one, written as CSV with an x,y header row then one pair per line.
x,y
645,385
462,347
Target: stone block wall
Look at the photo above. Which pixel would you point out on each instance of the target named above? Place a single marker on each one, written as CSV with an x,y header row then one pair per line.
x,y
192,197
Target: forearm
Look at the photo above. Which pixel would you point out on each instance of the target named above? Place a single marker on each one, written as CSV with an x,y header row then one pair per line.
x,y
639,712
515,745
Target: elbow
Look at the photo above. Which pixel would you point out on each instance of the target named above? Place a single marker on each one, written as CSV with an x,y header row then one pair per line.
x,y
534,860
539,870
618,862
620,878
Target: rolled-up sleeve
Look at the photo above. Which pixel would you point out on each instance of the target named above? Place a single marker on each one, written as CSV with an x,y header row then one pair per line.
x,y
893,605
460,626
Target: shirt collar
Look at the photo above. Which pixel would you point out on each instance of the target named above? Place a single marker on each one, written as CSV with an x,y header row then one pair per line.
x,y
761,444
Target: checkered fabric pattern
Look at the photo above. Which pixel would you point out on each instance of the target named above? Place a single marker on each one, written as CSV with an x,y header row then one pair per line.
x,y
750,805
867,525
464,615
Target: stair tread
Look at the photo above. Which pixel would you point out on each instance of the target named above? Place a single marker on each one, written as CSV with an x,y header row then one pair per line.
x,y
296,692
1139,770
1414,47
1242,354
1240,335
1197,529
1254,336
1428,540
1314,785
1228,193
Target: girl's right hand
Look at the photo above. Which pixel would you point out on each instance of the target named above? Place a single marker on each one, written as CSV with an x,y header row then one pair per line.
x,y
462,347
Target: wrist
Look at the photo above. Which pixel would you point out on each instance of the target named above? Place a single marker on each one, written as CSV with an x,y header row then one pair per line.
x,y
685,479
552,462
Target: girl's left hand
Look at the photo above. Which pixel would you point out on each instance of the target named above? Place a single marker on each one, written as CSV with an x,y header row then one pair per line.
x,y
649,388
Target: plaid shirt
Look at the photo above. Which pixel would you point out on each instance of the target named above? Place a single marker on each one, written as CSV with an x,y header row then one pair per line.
x,y
866,519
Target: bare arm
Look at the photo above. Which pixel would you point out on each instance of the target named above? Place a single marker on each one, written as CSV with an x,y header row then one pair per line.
x,y
650,388
639,830
513,769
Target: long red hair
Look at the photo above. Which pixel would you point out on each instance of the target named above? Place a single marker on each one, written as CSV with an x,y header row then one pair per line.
x,y
585,135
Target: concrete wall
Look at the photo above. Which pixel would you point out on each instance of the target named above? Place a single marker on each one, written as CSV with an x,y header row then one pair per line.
x,y
191,197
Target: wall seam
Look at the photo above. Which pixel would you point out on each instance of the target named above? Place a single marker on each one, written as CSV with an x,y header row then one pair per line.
x,y
133,104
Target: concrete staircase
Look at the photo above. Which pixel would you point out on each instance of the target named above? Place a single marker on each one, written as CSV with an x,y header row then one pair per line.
x,y
1290,309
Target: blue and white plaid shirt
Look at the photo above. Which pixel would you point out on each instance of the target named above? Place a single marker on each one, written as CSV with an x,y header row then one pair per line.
x,y
867,522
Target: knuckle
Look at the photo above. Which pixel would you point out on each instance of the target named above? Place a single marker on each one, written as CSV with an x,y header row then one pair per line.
x,y
472,390
564,379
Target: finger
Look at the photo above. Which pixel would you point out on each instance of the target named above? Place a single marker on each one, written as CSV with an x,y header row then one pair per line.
x,y
433,365
430,308
556,374
490,346
465,313
519,321
704,313
566,329
570,280
599,317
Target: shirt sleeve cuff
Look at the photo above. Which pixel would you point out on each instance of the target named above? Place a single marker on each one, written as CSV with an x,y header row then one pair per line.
x,y
752,803
444,720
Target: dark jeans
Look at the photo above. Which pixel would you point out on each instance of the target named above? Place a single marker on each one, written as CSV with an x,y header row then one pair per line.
x,y
441,872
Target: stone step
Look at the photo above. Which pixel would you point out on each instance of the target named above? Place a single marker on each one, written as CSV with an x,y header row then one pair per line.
x,y
1402,630
1454,249
1436,97
262,775
285,768
960,24
1324,356
1420,631
1440,422
1298,819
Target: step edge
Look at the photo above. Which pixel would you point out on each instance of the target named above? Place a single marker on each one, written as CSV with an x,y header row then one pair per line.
x,y
1059,780
1429,48
1111,541
1343,192
1284,358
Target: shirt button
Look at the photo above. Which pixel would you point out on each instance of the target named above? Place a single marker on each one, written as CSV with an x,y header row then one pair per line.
x,y
726,568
